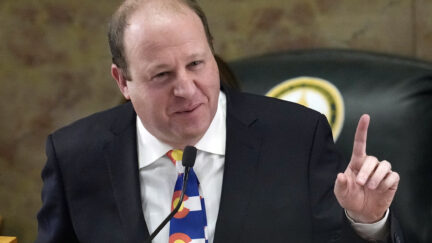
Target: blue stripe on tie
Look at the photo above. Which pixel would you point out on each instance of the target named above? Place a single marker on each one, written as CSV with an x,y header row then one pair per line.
x,y
192,185
189,225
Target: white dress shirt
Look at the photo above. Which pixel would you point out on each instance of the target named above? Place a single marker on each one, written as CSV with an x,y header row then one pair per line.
x,y
158,176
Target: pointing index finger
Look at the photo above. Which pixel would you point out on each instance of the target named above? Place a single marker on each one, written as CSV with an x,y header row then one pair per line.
x,y
359,148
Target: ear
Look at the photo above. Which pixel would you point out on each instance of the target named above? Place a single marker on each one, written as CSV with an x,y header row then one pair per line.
x,y
122,83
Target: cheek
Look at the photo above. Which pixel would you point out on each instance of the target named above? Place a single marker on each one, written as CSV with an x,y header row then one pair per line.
x,y
215,82
210,79
143,101
154,104
152,113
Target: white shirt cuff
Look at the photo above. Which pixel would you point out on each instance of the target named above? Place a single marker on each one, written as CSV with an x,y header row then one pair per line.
x,y
375,231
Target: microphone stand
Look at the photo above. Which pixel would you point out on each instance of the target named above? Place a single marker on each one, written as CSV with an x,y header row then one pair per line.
x,y
176,209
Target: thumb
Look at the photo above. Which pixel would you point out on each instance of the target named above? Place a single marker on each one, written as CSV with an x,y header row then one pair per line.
x,y
341,186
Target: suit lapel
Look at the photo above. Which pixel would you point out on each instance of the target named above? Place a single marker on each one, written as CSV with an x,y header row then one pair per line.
x,y
122,160
241,162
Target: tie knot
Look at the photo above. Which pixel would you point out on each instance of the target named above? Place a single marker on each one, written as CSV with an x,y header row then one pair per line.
x,y
175,155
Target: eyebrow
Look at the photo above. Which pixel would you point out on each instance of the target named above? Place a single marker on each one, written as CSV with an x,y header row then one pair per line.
x,y
152,67
193,56
197,55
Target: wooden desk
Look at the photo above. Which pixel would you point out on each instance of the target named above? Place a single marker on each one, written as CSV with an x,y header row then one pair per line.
x,y
8,239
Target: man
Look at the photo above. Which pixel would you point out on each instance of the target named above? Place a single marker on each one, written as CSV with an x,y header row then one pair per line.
x,y
267,168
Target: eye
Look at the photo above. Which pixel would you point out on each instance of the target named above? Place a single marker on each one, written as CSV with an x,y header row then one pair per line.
x,y
160,75
195,64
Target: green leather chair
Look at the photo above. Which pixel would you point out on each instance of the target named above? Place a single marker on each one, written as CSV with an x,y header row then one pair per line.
x,y
343,84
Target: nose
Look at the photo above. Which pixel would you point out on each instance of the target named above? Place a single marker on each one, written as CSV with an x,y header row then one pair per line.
x,y
184,85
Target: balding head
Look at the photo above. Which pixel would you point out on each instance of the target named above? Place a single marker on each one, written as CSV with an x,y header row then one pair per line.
x,y
119,22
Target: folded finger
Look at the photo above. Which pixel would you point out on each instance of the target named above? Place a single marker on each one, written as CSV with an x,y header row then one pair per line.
x,y
379,174
390,182
368,167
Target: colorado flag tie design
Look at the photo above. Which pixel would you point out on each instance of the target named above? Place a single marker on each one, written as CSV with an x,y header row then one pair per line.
x,y
189,223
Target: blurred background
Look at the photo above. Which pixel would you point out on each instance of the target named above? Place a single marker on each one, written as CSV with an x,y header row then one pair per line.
x,y
55,66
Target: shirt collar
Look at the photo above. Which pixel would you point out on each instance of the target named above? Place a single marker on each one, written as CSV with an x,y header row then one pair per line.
x,y
151,149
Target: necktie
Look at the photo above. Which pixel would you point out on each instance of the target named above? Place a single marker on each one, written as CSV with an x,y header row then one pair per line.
x,y
189,224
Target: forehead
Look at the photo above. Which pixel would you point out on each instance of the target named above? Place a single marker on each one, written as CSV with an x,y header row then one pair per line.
x,y
154,14
158,25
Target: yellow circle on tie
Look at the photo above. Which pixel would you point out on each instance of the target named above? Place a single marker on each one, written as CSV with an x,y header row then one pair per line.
x,y
176,201
177,154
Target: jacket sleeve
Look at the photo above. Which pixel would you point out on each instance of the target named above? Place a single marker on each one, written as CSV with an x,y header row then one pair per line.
x,y
54,222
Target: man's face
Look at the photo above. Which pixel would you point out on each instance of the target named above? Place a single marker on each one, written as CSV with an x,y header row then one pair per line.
x,y
175,79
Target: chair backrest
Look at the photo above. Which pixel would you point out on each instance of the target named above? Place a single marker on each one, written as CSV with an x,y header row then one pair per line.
x,y
343,84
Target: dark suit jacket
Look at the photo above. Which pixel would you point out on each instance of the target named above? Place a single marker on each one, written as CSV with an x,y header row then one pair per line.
x,y
280,167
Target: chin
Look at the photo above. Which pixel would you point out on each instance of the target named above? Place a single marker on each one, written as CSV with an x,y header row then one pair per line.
x,y
192,135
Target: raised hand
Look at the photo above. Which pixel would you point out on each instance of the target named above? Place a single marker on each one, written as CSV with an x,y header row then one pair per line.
x,y
367,187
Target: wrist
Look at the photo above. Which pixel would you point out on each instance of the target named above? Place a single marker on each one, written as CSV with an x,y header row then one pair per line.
x,y
375,232
365,219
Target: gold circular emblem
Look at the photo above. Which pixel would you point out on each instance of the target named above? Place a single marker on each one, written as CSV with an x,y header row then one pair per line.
x,y
317,94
